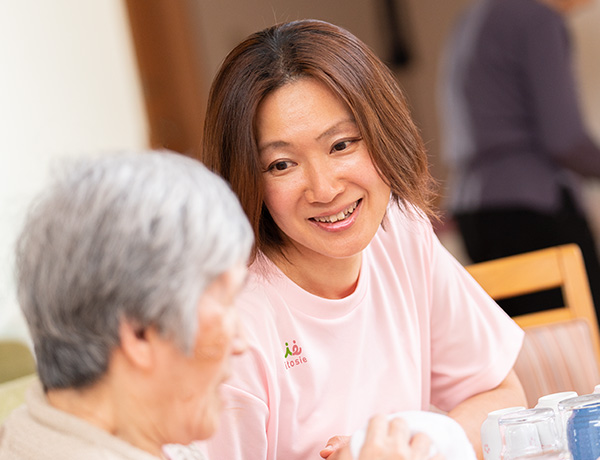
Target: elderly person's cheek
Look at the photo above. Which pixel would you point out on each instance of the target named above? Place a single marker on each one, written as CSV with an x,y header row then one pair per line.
x,y
215,351
201,399
217,342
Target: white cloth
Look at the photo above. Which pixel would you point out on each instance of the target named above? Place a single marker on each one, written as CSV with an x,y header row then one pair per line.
x,y
447,436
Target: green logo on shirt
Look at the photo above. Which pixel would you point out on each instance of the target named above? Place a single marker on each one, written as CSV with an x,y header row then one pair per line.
x,y
296,350
294,353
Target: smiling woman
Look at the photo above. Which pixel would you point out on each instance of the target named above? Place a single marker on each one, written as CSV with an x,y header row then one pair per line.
x,y
314,135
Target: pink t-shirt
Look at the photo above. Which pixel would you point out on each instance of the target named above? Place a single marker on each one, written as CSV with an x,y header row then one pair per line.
x,y
418,330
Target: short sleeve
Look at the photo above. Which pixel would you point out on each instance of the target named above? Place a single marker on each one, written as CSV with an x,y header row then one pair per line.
x,y
474,343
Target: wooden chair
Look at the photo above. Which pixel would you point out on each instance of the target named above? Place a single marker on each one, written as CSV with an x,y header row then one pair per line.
x,y
561,350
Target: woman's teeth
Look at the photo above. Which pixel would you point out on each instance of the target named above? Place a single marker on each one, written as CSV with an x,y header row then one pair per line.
x,y
339,216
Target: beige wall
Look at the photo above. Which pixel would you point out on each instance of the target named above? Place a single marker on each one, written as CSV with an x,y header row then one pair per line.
x,y
586,32
68,87
222,25
431,22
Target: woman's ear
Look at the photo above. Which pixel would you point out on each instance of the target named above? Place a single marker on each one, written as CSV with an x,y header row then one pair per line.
x,y
136,344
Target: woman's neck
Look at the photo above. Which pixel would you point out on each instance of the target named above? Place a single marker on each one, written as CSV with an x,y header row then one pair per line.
x,y
322,276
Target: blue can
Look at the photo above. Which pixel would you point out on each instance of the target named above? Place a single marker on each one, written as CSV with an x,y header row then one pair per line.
x,y
583,432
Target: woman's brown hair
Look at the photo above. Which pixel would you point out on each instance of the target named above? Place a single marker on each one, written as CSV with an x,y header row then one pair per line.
x,y
333,56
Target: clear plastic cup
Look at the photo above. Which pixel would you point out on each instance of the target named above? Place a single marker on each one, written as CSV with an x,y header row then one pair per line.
x,y
491,441
552,401
531,433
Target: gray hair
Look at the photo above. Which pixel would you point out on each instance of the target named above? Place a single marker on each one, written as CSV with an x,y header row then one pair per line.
x,y
128,236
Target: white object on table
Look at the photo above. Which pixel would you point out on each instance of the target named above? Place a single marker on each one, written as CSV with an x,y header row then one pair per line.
x,y
552,401
446,434
531,433
491,440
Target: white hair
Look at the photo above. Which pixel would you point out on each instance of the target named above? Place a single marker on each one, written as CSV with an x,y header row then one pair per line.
x,y
135,236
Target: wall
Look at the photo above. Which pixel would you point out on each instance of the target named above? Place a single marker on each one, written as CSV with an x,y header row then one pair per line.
x,y
68,87
221,25
431,21
586,34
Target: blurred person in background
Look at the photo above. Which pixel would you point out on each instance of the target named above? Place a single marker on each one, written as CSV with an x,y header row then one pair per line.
x,y
128,268
513,136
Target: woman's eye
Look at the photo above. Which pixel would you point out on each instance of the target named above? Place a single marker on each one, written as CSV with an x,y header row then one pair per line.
x,y
279,166
341,146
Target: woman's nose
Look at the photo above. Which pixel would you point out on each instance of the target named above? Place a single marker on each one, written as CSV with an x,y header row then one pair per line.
x,y
323,183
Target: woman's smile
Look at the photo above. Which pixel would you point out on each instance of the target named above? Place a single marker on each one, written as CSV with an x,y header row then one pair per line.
x,y
337,216
338,221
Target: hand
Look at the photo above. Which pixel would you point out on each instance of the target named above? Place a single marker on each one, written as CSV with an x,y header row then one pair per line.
x,y
334,444
383,441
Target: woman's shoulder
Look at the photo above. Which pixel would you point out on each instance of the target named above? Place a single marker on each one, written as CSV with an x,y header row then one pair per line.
x,y
263,282
259,283
406,234
405,222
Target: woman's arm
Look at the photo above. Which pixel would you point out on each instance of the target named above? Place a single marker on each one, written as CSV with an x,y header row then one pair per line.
x,y
472,412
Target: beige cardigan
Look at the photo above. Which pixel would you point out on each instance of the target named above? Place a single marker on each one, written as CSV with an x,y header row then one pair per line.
x,y
38,431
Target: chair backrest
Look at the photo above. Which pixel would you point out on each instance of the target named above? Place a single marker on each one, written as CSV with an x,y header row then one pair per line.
x,y
561,351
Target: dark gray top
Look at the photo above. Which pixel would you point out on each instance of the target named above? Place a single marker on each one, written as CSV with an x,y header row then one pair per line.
x,y
513,130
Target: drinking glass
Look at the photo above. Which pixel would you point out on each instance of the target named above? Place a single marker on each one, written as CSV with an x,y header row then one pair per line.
x,y
531,433
491,441
552,401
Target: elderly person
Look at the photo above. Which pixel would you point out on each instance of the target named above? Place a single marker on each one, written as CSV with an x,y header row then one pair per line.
x,y
127,271
128,267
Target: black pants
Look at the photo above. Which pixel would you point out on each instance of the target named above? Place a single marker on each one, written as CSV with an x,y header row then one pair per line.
x,y
490,234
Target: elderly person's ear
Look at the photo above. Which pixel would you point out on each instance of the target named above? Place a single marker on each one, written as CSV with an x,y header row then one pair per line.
x,y
137,344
